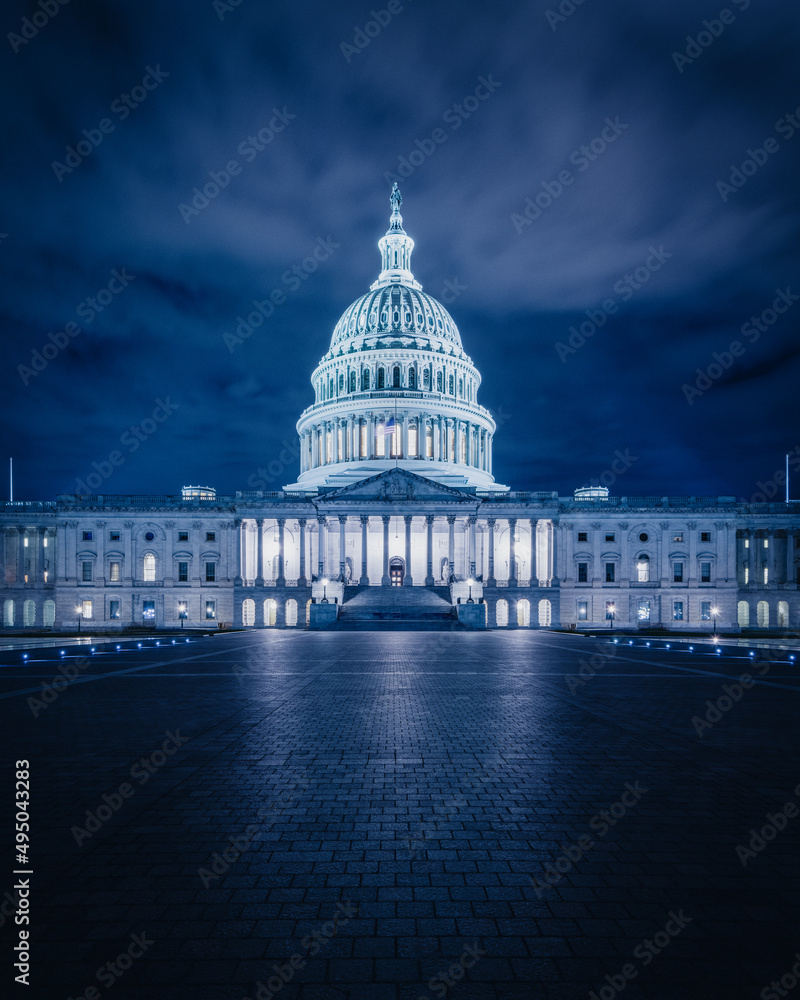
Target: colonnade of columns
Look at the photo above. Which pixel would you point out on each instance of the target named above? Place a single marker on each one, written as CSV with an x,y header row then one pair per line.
x,y
27,555
331,559
759,562
362,437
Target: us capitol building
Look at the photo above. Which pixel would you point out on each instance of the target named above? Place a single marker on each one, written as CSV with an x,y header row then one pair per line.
x,y
396,490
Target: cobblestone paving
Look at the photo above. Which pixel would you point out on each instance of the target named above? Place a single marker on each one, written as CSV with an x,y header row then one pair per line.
x,y
414,815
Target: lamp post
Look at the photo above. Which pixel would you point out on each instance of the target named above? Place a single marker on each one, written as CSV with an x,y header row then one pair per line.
x,y
182,612
471,584
79,612
715,615
612,610
324,591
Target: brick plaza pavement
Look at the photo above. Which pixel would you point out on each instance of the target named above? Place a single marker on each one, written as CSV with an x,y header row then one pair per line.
x,y
405,815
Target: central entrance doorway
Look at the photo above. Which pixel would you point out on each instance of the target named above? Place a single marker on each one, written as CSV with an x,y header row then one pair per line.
x,y
396,572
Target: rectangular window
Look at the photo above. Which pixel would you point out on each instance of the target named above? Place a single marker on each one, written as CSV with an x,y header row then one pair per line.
x,y
677,611
113,609
747,574
583,610
211,610
678,536
705,611
86,574
611,569
747,543
766,575
183,572
583,536
705,572
583,572
677,572
87,536
211,536
610,536
86,609
766,543
113,572
113,536
705,536
643,611
211,572
149,610
183,536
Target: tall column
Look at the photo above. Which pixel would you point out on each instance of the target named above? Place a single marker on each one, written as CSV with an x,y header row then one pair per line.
x,y
491,582
512,552
472,521
429,581
321,553
442,439
451,546
281,581
350,453
408,580
556,575
385,577
301,579
342,563
39,578
20,556
238,531
364,580
789,556
771,562
534,581
371,435
260,552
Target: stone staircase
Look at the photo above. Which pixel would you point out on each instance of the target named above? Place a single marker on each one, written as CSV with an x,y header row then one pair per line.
x,y
410,609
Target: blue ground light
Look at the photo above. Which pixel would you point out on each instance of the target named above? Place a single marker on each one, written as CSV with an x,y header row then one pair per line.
x,y
446,791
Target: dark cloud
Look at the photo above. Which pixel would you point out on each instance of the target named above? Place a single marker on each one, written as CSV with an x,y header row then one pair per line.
x,y
349,124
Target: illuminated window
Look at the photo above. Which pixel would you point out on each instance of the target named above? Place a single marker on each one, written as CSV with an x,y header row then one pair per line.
x,y
412,441
149,568
429,443
677,537
211,610
766,543
583,611
113,609
766,575
705,611
380,441
113,572
643,569
747,543
149,610
677,611
86,609
364,440
643,611
747,574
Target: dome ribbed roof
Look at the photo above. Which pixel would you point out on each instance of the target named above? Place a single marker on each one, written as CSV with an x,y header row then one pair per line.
x,y
400,311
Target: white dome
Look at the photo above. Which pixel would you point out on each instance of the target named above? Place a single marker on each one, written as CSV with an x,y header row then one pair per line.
x,y
415,318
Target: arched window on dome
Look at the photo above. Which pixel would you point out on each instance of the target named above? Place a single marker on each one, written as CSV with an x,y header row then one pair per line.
x,y
365,379
352,381
439,384
451,385
341,382
412,378
331,388
461,387
396,377
381,378
426,379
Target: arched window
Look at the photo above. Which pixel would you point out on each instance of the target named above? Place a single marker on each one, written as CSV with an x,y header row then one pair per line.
x,y
291,613
381,378
643,569
149,568
249,612
49,614
426,378
439,382
270,611
29,613
763,614
524,613
331,385
396,377
365,379
412,378
451,385
743,614
461,387
341,382
545,613
8,613
352,381
501,613
783,614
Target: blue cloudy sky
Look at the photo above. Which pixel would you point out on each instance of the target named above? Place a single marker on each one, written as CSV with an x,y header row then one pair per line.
x,y
624,166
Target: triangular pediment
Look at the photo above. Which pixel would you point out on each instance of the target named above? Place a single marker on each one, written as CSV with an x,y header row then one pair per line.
x,y
397,486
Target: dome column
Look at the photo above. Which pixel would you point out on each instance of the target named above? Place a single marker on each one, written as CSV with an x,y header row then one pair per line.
x,y
321,553
491,582
364,581
281,581
472,521
451,547
342,529
512,552
371,436
301,578
429,581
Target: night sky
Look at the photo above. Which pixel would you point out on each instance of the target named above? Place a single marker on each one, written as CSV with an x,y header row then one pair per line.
x,y
602,143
